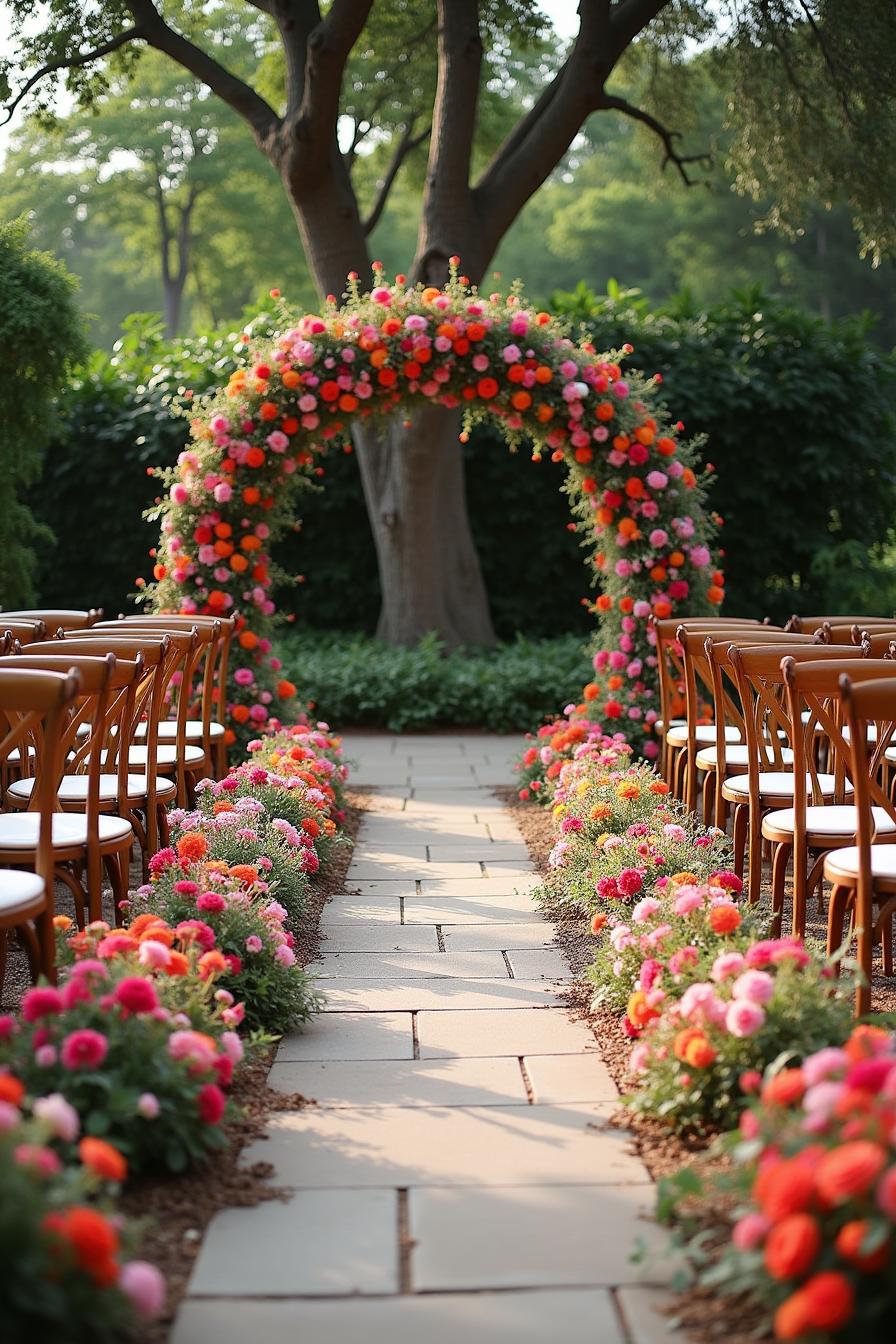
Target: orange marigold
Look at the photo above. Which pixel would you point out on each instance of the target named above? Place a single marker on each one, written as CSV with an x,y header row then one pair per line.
x,y
192,846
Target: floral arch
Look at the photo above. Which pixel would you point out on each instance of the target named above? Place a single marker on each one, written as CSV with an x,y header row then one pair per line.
x,y
632,481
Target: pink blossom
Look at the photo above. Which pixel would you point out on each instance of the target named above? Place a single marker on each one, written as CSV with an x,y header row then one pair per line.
x,y
744,1017
757,986
725,965
824,1064
285,955
59,1114
148,1105
84,1049
750,1231
10,1116
645,908
687,900
144,1286
41,1002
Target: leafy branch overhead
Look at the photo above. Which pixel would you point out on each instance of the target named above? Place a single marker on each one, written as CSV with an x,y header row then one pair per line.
x,y
810,100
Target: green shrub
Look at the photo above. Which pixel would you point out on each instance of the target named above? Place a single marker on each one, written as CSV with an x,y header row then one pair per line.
x,y
799,414
357,681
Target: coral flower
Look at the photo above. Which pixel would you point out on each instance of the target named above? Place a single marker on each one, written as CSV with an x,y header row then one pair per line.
x,y
792,1245
102,1159
192,846
849,1171
851,1241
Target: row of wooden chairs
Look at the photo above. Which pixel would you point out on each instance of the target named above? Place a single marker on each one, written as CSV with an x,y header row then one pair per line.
x,y
138,706
777,752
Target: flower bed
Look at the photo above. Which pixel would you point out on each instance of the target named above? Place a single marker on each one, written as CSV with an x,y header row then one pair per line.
x,y
731,1030
125,1066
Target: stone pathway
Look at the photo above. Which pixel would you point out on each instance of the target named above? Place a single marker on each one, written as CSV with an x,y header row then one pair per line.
x,y
459,1177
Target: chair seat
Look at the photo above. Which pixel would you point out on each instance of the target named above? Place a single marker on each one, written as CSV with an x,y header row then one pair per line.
x,y
708,757
20,894
705,732
827,823
168,730
775,784
842,865
19,830
165,757
660,724
73,789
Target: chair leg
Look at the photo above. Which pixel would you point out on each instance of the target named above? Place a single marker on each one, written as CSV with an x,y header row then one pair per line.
x,y
740,837
886,941
780,858
46,944
755,878
838,904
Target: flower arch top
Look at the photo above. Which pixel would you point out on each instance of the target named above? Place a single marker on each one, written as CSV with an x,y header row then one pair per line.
x,y
297,391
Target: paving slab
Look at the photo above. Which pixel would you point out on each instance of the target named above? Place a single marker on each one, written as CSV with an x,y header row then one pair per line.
x,y
383,995
548,963
350,1246
505,935
463,1146
443,851
568,1316
466,910
398,867
358,911
416,1082
376,937
410,965
557,1079
509,1031
351,1036
469,1239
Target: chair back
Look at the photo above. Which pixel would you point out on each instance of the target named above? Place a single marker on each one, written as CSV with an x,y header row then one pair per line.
x,y
59,618
868,704
809,624
24,629
880,644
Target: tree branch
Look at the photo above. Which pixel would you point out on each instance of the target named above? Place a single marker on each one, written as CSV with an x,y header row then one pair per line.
x,y
631,18
406,144
327,49
542,137
667,137
241,97
70,63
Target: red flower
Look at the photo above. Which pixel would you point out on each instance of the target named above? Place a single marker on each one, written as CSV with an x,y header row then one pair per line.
x,y
211,1103
792,1246
136,994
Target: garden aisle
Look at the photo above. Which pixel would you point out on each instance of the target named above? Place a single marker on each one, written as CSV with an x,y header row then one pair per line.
x,y
459,1177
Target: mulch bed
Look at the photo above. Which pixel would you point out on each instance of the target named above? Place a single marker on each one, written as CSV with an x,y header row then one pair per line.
x,y
175,1210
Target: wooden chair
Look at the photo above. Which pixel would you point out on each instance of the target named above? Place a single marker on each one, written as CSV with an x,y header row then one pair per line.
x,y
811,624
87,836
769,783
61,618
863,875
179,758
670,673
24,629
210,696
811,827
35,708
719,748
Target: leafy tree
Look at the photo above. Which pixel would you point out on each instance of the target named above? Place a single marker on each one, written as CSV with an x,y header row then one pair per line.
x,y
392,74
41,336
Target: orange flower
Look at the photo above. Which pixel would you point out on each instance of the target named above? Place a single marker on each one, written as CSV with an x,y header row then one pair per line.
x,y
285,689
784,1088
178,964
849,1171
865,1042
659,786
598,922
783,1188
244,872
628,789
93,1240
792,1245
850,1240
600,811
591,691
248,639
683,879
790,1320
240,713
62,922
212,963
724,918
11,1089
638,1011
829,1301
692,1047
102,1159
192,846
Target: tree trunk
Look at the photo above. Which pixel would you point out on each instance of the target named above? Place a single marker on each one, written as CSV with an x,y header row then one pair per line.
x,y
412,470
413,476
173,287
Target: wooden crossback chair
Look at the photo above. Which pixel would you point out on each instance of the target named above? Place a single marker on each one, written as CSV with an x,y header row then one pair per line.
x,y
863,875
209,692
768,784
179,759
35,708
88,837
670,674
810,624
718,748
25,629
814,825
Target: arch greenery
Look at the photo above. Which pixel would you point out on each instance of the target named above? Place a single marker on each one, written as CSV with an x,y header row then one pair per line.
x,y
635,493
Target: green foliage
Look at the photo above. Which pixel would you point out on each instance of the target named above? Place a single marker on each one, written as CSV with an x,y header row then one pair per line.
x,y
799,415
40,338
357,681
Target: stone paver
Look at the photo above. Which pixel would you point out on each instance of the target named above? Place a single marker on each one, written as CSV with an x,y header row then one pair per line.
x,y
459,1175
414,1082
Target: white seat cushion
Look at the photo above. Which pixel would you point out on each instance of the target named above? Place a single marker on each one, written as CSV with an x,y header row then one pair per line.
x,y
673,723
165,757
168,730
73,788
778,783
19,830
838,819
844,863
19,891
707,757
705,732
